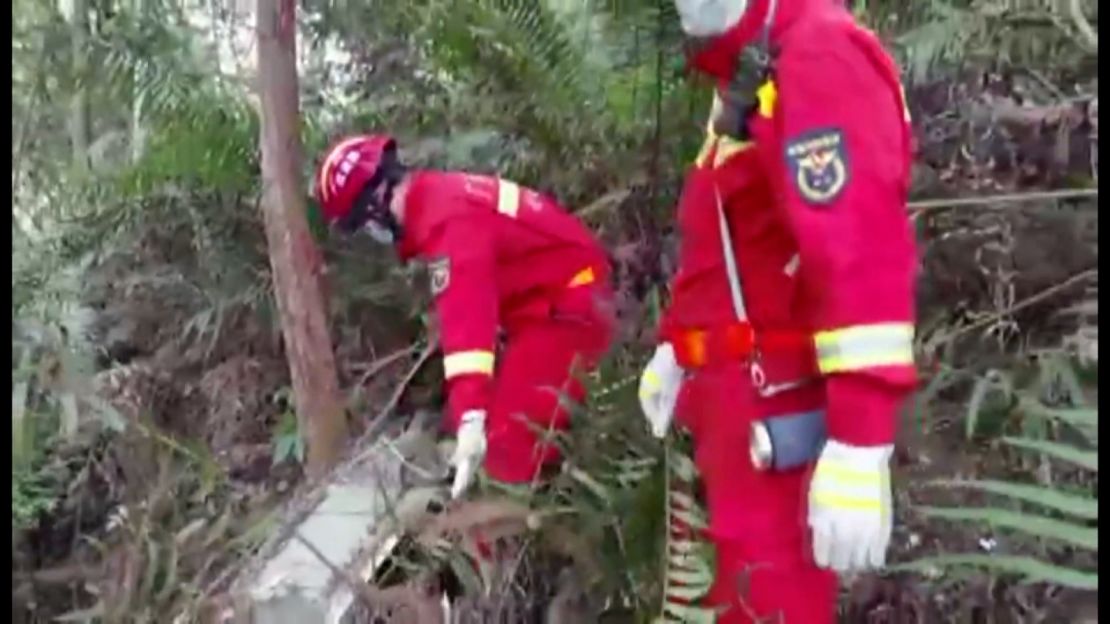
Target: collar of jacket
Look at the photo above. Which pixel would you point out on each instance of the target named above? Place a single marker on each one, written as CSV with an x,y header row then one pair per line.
x,y
717,57
411,221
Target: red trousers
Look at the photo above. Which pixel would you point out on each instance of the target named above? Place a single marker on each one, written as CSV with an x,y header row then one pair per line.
x,y
543,357
757,521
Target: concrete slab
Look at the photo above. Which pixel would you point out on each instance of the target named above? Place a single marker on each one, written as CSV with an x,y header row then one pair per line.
x,y
348,525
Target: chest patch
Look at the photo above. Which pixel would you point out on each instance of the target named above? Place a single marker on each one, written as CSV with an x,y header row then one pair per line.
x,y
439,274
818,164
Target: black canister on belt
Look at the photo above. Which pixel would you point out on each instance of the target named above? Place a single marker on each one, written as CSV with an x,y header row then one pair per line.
x,y
788,441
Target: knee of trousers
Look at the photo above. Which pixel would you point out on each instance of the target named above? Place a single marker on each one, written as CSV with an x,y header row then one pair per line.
x,y
787,592
742,502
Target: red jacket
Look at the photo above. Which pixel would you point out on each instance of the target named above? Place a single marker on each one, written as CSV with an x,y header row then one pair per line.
x,y
499,255
816,203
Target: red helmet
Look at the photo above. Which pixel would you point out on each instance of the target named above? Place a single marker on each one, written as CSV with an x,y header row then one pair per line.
x,y
346,169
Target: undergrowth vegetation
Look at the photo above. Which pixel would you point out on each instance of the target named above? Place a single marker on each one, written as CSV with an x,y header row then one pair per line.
x,y
152,443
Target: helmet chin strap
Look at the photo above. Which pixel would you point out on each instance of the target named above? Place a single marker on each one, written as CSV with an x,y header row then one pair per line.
x,y
378,219
371,210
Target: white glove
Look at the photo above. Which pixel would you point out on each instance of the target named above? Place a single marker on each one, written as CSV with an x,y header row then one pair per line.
x,y
705,18
659,384
850,506
470,449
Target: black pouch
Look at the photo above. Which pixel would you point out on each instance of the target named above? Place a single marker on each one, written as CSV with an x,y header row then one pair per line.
x,y
788,441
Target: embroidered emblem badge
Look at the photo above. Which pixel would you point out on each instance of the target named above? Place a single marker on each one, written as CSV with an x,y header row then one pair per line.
x,y
819,166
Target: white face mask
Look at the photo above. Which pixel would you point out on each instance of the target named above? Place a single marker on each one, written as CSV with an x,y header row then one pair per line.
x,y
378,232
707,18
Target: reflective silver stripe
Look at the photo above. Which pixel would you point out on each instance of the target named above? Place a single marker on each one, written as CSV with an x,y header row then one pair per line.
x,y
731,271
508,198
864,346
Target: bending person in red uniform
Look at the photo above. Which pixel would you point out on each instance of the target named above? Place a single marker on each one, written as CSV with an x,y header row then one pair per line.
x,y
503,260
790,326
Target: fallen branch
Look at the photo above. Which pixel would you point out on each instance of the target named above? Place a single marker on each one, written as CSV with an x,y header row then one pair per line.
x,y
915,207
379,420
1005,111
381,364
1021,305
1088,33
929,205
606,201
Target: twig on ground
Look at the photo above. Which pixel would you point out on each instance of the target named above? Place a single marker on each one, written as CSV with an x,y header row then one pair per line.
x,y
381,364
1037,298
1047,84
379,420
362,590
929,205
605,202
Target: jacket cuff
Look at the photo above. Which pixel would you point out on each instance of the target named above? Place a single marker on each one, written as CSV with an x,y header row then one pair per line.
x,y
863,410
664,329
466,393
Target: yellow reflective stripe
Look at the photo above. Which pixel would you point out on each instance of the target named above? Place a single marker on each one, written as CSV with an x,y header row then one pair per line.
x,y
651,383
767,94
467,363
715,111
582,278
703,153
864,346
729,147
844,474
508,198
848,502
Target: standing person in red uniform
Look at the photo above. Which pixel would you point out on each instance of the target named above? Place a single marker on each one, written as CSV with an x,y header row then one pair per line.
x,y
503,260
792,308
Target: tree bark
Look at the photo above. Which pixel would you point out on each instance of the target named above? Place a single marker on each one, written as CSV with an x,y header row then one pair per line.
x,y
294,259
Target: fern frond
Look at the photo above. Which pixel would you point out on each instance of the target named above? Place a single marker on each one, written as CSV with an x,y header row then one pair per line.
x,y
1076,505
1031,524
1040,525
1056,450
687,573
1029,568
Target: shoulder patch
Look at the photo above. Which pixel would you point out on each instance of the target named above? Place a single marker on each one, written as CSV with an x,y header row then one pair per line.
x,y
439,274
819,165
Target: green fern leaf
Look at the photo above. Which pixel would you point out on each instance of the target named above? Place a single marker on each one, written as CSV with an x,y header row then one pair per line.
x,y
687,614
1076,505
1033,570
1030,524
1063,452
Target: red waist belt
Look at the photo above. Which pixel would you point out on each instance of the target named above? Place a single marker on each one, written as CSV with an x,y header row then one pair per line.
x,y
734,342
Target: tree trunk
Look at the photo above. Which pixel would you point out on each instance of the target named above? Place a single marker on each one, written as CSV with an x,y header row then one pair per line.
x,y
79,105
294,258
